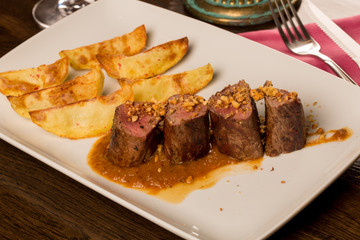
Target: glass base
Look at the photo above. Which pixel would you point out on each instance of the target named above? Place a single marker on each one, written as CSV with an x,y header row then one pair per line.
x,y
46,13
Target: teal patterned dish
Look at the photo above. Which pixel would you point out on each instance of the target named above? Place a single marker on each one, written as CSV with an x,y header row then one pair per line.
x,y
231,12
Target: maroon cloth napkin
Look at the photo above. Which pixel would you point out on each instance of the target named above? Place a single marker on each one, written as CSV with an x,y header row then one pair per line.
x,y
351,25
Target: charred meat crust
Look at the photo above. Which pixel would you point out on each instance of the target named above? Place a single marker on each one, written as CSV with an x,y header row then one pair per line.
x,y
186,129
134,136
235,122
285,124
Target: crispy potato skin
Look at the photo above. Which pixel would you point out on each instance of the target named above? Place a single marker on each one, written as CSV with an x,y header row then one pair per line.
x,y
147,64
22,81
128,44
81,88
163,87
83,119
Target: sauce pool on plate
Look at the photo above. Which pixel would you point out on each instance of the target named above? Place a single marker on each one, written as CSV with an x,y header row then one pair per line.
x,y
160,178
173,183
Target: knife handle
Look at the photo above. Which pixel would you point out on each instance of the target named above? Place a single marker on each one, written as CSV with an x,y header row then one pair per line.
x,y
337,69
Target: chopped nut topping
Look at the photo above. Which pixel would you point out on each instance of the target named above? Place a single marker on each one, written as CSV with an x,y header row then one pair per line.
x,y
189,102
142,108
262,129
173,101
224,99
234,96
159,148
257,94
270,91
134,118
189,179
235,104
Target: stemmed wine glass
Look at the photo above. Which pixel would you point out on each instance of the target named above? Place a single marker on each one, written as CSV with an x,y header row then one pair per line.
x,y
47,12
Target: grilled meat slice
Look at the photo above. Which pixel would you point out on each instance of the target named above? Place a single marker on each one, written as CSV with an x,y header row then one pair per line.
x,y
186,128
235,122
134,134
284,120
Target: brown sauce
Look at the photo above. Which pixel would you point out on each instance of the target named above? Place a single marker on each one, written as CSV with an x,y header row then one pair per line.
x,y
159,177
328,136
173,183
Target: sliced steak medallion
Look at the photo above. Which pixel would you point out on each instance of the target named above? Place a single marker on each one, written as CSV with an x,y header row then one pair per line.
x,y
134,134
235,122
186,128
284,120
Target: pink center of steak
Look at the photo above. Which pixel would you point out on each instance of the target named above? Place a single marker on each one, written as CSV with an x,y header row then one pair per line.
x,y
232,102
141,127
140,118
239,114
185,107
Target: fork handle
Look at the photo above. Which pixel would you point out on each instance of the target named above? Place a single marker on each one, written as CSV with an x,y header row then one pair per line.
x,y
337,69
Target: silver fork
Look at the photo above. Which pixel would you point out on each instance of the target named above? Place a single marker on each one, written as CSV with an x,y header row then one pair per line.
x,y
301,43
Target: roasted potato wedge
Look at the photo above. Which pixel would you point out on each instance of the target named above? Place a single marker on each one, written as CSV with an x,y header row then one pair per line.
x,y
19,82
81,88
127,45
163,87
83,119
146,64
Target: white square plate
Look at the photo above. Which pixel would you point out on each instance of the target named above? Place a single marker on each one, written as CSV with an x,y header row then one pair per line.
x,y
255,203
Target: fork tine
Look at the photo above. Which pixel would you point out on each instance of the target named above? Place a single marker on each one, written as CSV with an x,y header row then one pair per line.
x,y
299,22
284,22
277,23
289,17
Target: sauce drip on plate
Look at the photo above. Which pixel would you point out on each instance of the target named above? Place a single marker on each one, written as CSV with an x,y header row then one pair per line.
x,y
328,136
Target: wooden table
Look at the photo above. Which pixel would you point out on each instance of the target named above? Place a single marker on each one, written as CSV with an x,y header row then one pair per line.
x,y
38,202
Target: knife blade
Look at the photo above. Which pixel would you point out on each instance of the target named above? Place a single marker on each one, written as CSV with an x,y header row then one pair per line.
x,y
342,39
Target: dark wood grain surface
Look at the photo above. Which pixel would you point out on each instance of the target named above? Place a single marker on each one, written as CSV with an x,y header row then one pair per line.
x,y
38,202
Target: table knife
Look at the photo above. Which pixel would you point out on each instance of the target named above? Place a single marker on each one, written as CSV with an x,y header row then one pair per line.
x,y
342,39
